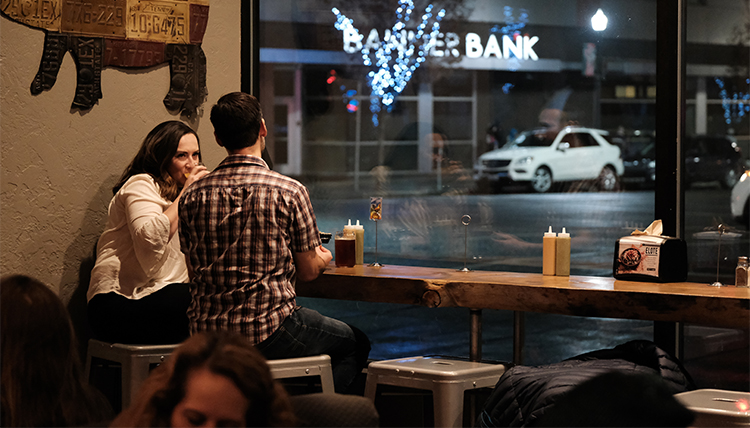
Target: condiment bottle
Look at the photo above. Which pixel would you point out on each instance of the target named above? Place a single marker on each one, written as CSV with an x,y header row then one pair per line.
x,y
549,246
359,234
741,277
359,238
562,254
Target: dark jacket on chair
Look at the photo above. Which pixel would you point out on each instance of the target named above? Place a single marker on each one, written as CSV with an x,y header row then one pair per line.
x,y
523,394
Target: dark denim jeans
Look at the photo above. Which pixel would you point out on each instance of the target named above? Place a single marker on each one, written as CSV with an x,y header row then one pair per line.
x,y
306,332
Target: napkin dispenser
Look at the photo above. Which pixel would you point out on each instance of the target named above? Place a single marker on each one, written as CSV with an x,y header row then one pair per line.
x,y
650,258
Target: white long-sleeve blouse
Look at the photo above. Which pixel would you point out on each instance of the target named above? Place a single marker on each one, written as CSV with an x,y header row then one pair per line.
x,y
135,256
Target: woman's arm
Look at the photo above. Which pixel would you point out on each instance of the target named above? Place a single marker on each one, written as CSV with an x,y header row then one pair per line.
x,y
148,219
172,212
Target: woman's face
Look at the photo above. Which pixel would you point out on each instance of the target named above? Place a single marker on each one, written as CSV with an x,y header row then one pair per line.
x,y
211,400
187,156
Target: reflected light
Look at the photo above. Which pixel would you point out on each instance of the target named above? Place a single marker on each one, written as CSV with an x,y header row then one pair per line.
x,y
599,21
397,57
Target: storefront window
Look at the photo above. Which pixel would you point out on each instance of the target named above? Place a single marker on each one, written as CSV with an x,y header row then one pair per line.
x,y
444,143
716,149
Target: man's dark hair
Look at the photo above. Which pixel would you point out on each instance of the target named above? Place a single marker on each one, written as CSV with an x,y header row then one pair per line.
x,y
237,118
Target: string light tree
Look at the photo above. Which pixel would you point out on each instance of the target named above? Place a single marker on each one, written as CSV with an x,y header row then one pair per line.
x,y
396,59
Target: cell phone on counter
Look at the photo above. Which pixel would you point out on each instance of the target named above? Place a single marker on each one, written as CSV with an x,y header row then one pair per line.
x,y
325,237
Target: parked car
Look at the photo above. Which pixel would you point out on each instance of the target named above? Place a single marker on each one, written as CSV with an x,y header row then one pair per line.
x,y
541,159
707,159
639,160
740,204
712,158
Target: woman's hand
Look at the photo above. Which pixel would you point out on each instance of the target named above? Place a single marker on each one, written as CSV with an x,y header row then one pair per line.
x,y
195,174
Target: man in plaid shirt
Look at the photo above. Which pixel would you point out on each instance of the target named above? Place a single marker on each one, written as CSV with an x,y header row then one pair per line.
x,y
248,234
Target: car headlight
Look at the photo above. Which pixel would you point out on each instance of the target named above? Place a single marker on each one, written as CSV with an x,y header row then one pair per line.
x,y
525,160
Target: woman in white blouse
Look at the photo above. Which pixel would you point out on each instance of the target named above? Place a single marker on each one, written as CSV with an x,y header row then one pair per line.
x,y
138,291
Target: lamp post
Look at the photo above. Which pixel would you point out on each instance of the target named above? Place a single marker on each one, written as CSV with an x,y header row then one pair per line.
x,y
598,24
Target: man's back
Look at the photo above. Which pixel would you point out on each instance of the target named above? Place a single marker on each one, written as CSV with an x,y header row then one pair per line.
x,y
238,227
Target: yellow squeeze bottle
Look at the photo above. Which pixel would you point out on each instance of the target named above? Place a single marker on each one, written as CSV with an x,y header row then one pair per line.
x,y
562,254
359,241
359,236
549,247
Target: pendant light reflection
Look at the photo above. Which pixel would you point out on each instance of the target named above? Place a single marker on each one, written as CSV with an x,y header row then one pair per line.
x,y
599,21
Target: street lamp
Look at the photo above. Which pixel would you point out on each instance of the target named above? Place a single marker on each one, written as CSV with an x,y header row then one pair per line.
x,y
599,21
598,24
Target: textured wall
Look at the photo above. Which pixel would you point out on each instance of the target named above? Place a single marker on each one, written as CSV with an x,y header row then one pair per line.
x,y
57,166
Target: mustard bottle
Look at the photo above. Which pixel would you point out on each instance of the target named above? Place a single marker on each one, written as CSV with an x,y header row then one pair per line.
x,y
549,247
562,254
359,241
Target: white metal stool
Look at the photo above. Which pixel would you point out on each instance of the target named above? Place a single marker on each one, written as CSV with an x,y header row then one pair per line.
x,y
318,365
717,408
134,359
447,379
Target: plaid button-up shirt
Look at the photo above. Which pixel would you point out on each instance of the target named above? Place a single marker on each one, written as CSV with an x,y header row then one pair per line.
x,y
239,226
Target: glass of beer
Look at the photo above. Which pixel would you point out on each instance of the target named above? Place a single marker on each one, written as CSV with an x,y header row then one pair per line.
x,y
345,248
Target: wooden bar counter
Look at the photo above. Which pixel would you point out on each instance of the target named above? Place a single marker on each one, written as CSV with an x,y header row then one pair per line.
x,y
587,296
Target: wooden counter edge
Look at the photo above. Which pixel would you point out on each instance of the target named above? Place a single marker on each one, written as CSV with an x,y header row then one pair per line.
x,y
575,295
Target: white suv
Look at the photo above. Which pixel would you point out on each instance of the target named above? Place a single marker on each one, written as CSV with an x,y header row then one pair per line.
x,y
540,159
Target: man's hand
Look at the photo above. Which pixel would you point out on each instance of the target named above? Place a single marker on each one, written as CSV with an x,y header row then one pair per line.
x,y
311,263
325,255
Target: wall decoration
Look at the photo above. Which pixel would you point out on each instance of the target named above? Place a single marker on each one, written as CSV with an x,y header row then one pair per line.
x,y
119,33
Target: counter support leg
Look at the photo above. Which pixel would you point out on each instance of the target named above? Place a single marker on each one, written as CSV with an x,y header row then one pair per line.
x,y
519,334
475,337
669,337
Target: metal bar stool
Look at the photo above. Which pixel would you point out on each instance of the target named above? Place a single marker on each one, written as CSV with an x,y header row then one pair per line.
x,y
447,379
135,361
318,365
717,408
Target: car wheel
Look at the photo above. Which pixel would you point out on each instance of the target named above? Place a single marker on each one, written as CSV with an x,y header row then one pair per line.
x,y
730,179
608,180
541,182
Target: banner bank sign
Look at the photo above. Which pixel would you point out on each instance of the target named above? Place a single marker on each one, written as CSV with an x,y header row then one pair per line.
x,y
513,52
450,45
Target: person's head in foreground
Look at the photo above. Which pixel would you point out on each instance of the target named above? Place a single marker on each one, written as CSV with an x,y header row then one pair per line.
x,y
213,379
42,382
618,399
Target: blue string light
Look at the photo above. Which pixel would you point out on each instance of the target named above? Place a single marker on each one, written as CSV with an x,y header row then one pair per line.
x,y
735,105
397,57
512,29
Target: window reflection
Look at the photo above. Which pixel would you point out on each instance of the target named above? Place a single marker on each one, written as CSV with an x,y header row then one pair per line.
x,y
493,75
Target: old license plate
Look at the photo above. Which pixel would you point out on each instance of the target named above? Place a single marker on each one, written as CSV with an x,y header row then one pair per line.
x,y
159,21
101,18
35,13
